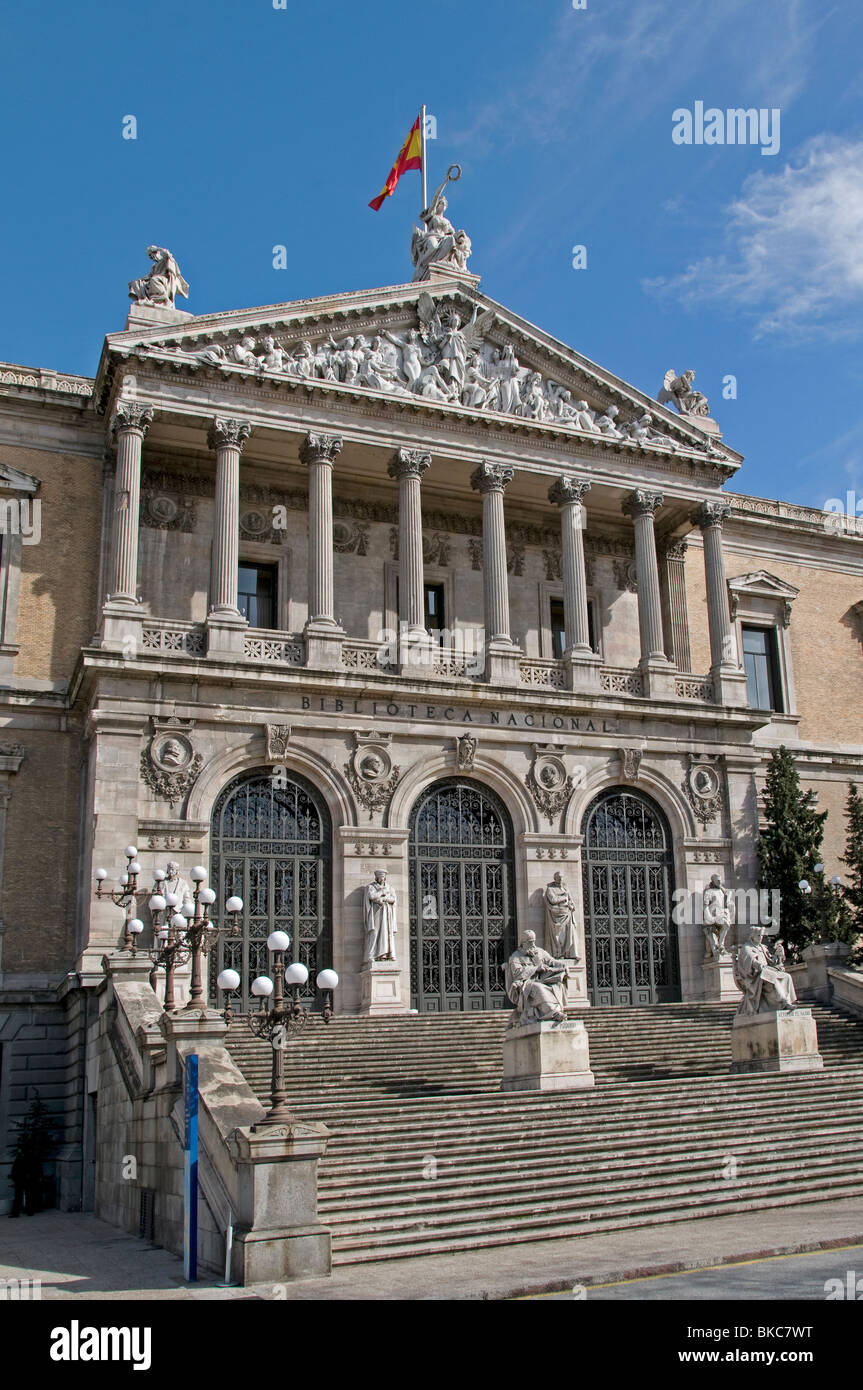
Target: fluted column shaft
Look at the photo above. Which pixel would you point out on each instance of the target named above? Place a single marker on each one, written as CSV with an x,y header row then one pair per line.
x,y
709,518
319,452
490,480
408,466
227,437
568,494
642,506
129,425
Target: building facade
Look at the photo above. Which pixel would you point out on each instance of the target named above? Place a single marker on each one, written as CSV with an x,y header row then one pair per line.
x,y
390,580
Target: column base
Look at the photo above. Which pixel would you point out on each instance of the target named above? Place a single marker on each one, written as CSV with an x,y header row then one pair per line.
x,y
416,653
381,989
729,687
784,1040
658,678
226,635
502,663
324,645
547,1057
583,672
719,980
122,627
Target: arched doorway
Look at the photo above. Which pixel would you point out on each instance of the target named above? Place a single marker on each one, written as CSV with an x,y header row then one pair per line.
x,y
462,918
627,863
271,841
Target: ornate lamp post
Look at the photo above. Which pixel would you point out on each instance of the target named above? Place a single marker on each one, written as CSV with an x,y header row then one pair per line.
x,y
826,896
278,1020
126,896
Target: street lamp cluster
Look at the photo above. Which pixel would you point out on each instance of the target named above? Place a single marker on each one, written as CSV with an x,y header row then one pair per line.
x,y
183,932
826,897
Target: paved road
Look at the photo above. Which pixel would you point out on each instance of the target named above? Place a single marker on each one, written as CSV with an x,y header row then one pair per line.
x,y
780,1277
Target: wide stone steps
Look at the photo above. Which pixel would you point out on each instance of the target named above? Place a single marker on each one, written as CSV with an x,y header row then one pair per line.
x,y
428,1155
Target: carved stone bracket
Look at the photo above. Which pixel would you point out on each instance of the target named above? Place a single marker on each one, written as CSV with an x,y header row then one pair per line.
x,y
278,737
466,746
630,763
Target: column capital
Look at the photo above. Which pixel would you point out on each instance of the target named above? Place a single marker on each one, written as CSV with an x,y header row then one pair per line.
x,y
491,477
408,463
224,430
675,550
642,503
320,448
129,415
567,490
711,514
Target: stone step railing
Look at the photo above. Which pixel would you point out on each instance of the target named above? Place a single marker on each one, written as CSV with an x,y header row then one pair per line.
x,y
694,688
282,648
619,680
174,638
542,673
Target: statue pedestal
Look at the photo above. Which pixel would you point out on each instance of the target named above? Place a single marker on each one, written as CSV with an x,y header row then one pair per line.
x,y
719,979
782,1040
576,985
547,1057
381,989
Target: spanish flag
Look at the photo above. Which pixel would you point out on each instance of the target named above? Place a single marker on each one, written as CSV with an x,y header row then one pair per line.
x,y
410,157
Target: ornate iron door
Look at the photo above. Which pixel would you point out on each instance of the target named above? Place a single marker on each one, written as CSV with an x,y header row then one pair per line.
x,y
630,938
462,922
271,845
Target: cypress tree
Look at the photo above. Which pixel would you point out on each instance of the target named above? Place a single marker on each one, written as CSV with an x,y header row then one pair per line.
x,y
853,861
789,847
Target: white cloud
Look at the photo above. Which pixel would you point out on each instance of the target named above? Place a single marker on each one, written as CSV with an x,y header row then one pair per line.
x,y
792,255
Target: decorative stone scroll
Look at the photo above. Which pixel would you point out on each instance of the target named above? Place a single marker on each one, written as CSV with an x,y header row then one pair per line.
x,y
278,737
466,746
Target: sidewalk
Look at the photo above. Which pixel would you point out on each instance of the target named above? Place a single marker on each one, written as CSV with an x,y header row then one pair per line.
x,y
77,1256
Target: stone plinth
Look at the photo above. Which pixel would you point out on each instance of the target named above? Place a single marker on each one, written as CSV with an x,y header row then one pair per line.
x,y
719,980
813,981
277,1235
782,1040
547,1057
381,989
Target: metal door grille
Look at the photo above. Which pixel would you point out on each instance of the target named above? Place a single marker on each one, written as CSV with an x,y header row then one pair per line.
x,y
630,938
271,845
462,920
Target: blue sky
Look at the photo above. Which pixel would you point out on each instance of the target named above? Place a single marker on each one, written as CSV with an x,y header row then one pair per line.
x,y
260,126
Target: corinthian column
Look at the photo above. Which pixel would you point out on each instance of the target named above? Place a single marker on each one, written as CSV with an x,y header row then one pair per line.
x,y
225,623
490,480
642,505
568,494
728,679
323,634
408,466
129,426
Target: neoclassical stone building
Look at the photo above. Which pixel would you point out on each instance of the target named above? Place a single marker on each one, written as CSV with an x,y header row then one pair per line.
x,y
390,580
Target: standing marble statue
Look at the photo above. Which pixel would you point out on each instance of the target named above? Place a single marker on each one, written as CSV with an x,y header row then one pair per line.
x,y
535,984
560,914
717,917
163,283
379,914
765,988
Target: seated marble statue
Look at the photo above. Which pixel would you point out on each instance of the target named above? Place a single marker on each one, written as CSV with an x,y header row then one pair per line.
x,y
765,988
535,984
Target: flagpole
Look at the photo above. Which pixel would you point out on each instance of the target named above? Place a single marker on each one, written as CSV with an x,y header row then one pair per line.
x,y
423,156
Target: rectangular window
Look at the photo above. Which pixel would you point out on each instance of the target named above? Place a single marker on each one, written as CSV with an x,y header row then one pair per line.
x,y
760,657
558,628
256,596
434,608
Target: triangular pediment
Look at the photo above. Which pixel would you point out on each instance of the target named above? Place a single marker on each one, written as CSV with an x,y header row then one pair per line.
x,y
448,349
13,480
761,584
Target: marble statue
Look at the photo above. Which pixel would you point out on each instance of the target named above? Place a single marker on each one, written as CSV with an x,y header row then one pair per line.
x,y
777,954
536,984
176,884
717,917
437,242
679,390
163,283
560,915
379,915
765,986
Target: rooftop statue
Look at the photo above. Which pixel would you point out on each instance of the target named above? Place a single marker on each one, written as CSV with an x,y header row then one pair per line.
x,y
437,241
162,284
679,390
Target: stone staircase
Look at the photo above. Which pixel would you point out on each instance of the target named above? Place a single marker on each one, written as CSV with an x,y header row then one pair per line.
x,y
427,1155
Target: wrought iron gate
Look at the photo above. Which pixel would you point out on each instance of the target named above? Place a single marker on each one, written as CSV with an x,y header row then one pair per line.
x,y
272,845
462,921
630,938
